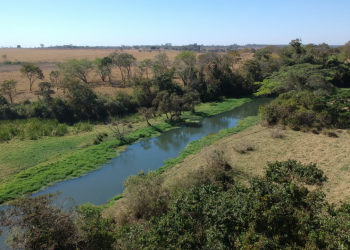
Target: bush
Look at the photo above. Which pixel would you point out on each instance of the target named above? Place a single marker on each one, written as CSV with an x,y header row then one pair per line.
x,y
82,127
146,195
272,213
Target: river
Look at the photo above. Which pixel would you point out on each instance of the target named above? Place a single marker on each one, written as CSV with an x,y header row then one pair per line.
x,y
99,186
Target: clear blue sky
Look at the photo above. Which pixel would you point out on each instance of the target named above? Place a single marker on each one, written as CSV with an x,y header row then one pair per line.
x,y
131,22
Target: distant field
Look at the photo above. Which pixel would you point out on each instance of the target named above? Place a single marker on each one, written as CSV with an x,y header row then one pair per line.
x,y
59,55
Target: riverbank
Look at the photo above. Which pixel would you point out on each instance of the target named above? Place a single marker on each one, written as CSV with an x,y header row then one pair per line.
x,y
331,154
51,161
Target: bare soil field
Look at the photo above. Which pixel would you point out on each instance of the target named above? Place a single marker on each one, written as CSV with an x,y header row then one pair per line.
x,y
331,154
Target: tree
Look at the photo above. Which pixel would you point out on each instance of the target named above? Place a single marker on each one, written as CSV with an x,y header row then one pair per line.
x,y
77,68
163,60
146,113
104,68
19,46
33,73
83,101
296,44
146,65
124,62
8,87
185,66
297,77
45,90
55,78
41,224
42,45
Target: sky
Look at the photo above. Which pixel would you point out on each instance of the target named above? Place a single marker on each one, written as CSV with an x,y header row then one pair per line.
x,y
30,23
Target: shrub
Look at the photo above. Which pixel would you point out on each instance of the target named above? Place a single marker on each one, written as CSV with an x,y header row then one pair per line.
x,y
82,127
146,195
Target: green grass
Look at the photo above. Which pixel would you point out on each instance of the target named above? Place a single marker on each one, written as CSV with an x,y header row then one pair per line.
x,y
74,165
213,108
36,164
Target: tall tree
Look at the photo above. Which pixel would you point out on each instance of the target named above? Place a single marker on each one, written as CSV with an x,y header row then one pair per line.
x,y
185,66
33,73
55,78
163,60
146,65
124,62
8,87
77,68
104,68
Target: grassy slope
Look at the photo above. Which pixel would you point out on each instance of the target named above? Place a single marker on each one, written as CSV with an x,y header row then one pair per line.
x,y
46,161
331,154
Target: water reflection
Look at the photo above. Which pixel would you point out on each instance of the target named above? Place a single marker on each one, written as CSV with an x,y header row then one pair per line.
x,y
146,144
173,140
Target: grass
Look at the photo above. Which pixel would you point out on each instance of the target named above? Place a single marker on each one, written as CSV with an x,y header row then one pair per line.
x,y
27,166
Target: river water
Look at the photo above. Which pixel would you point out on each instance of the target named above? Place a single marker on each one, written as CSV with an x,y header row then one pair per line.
x,y
99,186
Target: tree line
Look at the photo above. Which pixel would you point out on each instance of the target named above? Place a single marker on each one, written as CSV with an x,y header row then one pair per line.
x,y
205,77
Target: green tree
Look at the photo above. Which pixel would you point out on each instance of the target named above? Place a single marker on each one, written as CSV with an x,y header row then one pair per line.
x,y
77,68
84,101
41,224
31,71
297,77
45,90
8,87
163,60
146,65
185,66
124,62
55,78
296,44
104,68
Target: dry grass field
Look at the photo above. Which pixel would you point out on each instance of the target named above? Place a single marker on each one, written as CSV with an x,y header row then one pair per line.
x,y
59,55
331,154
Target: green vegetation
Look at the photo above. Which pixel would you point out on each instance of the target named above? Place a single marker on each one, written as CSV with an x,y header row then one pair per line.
x,y
31,129
306,111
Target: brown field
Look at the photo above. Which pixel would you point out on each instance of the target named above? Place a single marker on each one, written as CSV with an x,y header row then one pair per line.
x,y
59,55
332,155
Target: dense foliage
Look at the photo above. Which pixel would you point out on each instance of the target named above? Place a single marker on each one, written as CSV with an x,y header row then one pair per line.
x,y
276,211
306,110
